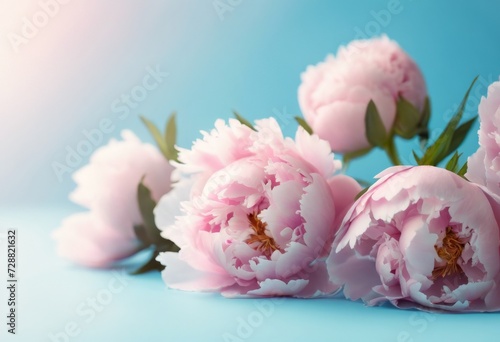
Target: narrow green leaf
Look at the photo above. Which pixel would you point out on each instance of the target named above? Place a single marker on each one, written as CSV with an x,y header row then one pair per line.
x,y
417,158
168,246
423,129
242,120
146,207
375,129
140,233
361,193
423,137
363,183
392,152
461,133
446,150
171,138
148,232
347,157
302,123
426,114
463,170
441,147
157,136
150,265
407,119
453,162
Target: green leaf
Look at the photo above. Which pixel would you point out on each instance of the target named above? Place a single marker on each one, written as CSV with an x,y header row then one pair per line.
x,y
407,119
140,233
426,114
171,138
441,147
242,120
454,138
347,157
363,183
168,246
423,129
157,136
461,133
463,170
392,152
417,158
148,233
150,265
453,162
146,206
375,129
361,193
302,123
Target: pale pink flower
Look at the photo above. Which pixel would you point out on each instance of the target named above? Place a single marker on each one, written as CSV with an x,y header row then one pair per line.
x,y
334,94
484,165
260,214
87,240
421,237
107,186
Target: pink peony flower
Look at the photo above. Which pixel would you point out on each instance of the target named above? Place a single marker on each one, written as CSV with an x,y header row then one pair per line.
x,y
261,213
107,186
421,237
484,165
335,93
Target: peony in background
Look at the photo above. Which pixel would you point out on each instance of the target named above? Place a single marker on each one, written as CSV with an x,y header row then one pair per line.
x,y
68,80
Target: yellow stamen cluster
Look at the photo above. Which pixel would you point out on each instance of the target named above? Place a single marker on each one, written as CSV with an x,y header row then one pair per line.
x,y
265,243
450,251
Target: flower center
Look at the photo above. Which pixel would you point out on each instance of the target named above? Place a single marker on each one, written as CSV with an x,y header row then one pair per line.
x,y
450,251
260,240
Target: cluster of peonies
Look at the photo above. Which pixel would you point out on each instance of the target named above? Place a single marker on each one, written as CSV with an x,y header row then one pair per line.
x,y
257,214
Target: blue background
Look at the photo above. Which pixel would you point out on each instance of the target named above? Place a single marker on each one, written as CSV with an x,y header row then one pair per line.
x,y
250,60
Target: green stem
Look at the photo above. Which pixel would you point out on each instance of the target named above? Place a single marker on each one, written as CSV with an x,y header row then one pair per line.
x,y
392,152
345,165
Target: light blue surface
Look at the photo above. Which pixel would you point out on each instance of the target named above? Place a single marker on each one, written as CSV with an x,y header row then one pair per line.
x,y
54,294
250,61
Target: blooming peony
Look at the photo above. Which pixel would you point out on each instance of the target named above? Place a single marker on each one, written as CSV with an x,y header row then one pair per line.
x,y
107,186
484,165
335,93
421,237
261,213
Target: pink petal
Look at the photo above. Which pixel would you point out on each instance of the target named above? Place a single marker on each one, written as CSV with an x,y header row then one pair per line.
x,y
417,245
356,273
277,287
169,206
315,151
319,281
296,258
180,275
317,209
282,211
344,190
85,239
